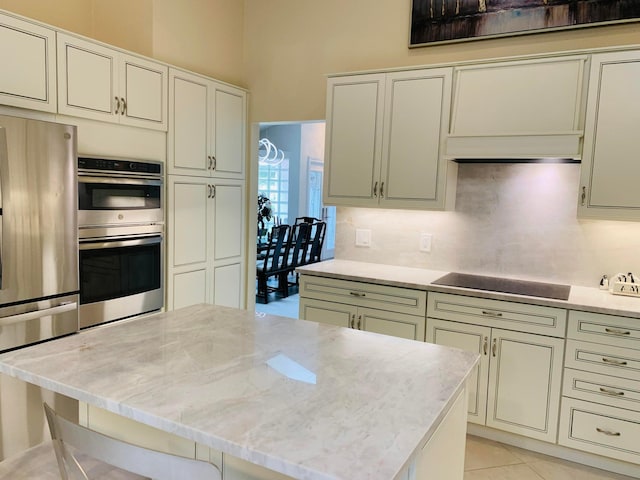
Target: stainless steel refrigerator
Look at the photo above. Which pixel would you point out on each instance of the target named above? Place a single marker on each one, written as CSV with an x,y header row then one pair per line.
x,y
38,258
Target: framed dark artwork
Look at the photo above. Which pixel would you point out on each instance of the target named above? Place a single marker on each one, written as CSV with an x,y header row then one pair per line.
x,y
437,21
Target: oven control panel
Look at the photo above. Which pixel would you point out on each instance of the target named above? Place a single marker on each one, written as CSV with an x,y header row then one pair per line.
x,y
123,166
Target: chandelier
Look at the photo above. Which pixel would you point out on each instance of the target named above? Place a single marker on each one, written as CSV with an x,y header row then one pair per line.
x,y
269,154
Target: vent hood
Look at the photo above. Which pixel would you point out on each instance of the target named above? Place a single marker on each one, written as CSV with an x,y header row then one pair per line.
x,y
531,147
521,110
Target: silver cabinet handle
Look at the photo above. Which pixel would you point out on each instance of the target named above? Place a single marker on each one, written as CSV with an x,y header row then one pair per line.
x,y
615,393
615,331
485,345
382,190
213,191
494,347
613,362
608,432
210,161
491,314
583,197
375,190
214,162
208,191
124,106
117,105
359,321
353,320
358,294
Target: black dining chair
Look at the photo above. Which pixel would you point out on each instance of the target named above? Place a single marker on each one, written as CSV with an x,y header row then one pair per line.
x,y
274,262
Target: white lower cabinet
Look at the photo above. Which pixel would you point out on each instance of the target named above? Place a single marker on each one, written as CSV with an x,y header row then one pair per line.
x,y
601,388
205,242
518,381
375,308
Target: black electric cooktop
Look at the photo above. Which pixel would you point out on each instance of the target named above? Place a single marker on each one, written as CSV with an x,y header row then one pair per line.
x,y
506,285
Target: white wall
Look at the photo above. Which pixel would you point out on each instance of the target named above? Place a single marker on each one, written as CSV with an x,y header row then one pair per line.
x,y
510,219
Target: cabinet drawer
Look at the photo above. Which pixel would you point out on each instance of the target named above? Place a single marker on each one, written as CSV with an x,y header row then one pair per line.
x,y
605,389
607,329
381,297
604,359
497,313
600,429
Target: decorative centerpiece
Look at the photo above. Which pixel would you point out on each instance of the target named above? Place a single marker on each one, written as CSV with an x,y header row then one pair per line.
x,y
264,213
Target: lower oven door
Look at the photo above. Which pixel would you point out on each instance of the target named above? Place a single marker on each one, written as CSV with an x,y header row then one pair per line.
x,y
120,278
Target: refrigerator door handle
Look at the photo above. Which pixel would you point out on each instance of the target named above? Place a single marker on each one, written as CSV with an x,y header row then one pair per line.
x,y
24,317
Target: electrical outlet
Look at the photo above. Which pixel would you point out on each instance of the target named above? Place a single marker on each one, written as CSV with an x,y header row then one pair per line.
x,y
425,242
363,238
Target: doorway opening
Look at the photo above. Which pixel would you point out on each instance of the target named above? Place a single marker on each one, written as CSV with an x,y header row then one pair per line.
x,y
290,178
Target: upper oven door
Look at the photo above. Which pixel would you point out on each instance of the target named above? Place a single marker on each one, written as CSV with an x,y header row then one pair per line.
x,y
117,200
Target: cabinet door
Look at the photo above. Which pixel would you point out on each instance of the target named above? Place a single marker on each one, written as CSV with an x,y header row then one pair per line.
x,y
524,384
472,338
228,285
355,106
27,54
188,241
228,132
228,218
610,165
327,312
390,323
188,147
143,86
87,75
414,171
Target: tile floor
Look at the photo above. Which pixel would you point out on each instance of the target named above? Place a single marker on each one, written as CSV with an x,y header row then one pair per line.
x,y
488,460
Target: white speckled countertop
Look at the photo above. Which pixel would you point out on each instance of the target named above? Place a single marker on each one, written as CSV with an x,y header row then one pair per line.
x,y
581,298
361,406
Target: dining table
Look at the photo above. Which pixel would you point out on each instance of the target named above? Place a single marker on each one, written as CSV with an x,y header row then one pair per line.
x,y
304,399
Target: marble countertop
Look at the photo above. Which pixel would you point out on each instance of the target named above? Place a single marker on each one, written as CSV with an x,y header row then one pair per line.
x,y
308,400
581,298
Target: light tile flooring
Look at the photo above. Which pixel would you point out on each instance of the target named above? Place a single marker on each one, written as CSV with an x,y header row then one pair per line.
x,y
488,460
485,459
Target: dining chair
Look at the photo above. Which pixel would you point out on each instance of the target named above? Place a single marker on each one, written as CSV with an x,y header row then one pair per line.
x,y
139,461
274,261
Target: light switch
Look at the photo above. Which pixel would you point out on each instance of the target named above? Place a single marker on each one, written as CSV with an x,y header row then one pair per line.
x,y
363,237
425,242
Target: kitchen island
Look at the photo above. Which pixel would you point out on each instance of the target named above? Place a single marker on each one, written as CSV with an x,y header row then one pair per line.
x,y
304,399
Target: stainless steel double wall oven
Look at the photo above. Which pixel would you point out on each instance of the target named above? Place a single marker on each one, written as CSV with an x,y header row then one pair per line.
x,y
121,229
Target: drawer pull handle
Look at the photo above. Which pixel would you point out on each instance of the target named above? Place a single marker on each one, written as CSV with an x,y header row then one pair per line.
x,y
615,331
608,432
494,347
611,392
613,362
358,294
485,345
491,314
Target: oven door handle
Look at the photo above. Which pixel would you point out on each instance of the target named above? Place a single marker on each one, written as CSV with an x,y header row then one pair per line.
x,y
120,180
24,317
130,242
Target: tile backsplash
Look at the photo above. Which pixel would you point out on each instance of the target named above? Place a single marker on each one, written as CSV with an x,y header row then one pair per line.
x,y
516,220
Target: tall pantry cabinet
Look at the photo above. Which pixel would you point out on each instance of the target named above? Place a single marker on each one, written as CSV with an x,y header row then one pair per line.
x,y
206,192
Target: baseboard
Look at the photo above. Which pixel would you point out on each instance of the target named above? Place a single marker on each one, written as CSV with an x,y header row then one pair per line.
x,y
553,450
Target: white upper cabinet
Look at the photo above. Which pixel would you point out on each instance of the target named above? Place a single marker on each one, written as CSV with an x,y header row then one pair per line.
x,y
518,109
28,59
611,163
105,84
207,127
355,105
385,139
